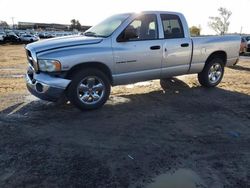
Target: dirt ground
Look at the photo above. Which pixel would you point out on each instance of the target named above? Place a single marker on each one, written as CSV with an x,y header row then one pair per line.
x,y
143,131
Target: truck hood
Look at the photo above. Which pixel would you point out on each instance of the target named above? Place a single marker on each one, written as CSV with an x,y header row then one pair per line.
x,y
62,42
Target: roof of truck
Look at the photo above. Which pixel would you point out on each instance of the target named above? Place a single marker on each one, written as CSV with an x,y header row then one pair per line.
x,y
158,12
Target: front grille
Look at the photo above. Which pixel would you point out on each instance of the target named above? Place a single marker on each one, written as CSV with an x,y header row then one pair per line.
x,y
31,61
29,57
28,53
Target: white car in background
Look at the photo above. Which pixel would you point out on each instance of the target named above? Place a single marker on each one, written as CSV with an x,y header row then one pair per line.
x,y
29,38
2,35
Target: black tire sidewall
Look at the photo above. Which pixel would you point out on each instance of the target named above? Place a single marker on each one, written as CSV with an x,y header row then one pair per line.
x,y
72,89
203,76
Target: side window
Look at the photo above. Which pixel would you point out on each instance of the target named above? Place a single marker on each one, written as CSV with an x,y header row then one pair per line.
x,y
145,27
172,26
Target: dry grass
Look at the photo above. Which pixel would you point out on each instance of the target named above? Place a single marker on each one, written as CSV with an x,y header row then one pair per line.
x,y
12,69
12,56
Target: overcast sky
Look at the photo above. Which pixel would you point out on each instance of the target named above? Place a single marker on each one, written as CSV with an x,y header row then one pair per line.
x,y
89,12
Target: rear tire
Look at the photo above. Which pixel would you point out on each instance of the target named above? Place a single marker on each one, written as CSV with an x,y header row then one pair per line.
x,y
89,89
212,73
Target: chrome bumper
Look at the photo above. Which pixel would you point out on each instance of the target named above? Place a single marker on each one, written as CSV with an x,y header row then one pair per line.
x,y
46,87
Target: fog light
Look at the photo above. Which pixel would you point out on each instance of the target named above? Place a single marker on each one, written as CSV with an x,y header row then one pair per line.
x,y
39,87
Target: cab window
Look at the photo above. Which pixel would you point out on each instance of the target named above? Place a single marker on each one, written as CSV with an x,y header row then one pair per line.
x,y
172,26
145,27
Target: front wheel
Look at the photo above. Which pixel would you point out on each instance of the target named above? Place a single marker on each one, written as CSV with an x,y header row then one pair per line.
x,y
89,89
212,73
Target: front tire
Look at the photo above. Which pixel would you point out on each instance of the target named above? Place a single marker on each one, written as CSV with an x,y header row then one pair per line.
x,y
89,89
212,73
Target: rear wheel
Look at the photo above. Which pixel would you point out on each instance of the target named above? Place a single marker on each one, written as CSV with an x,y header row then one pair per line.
x,y
212,73
89,89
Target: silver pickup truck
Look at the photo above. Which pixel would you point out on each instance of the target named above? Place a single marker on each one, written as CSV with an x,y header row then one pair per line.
x,y
123,49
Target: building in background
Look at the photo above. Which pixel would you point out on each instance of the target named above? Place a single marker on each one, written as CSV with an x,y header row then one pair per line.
x,y
47,26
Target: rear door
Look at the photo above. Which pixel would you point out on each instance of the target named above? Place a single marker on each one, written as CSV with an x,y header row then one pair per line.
x,y
177,49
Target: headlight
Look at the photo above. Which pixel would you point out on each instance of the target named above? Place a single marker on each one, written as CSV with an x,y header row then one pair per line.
x,y
48,65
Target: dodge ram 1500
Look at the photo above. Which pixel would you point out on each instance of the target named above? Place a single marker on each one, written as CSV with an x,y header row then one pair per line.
x,y
123,49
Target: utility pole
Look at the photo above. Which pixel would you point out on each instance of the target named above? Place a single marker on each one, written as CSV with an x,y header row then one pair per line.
x,y
12,23
241,30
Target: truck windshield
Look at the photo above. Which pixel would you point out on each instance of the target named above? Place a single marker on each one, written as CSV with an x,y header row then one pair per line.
x,y
107,27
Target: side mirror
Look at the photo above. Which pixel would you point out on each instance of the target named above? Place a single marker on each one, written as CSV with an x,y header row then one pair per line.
x,y
127,34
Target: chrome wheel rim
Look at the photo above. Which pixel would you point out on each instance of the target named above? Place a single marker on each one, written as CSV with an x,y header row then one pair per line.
x,y
215,73
90,90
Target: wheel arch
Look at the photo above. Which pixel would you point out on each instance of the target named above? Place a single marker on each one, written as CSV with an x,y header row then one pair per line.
x,y
95,65
219,54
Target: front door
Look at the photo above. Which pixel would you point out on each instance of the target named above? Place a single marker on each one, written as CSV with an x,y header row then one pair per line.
x,y
138,58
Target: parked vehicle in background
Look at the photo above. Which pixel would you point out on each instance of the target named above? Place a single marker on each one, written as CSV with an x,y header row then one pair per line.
x,y
123,49
2,35
243,45
45,35
12,37
41,35
29,38
247,45
247,38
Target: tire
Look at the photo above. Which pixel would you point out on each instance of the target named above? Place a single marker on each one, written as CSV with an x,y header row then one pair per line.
x,y
212,73
89,89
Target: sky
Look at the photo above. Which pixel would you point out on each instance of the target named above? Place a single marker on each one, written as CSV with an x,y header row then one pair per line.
x,y
90,12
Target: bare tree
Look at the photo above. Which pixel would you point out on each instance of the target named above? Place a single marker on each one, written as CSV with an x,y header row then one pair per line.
x,y
220,23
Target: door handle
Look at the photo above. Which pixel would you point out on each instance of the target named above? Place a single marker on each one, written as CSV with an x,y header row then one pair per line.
x,y
155,47
185,45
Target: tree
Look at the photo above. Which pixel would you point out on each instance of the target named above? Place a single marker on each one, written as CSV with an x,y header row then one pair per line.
x,y
78,25
75,24
3,24
195,31
220,23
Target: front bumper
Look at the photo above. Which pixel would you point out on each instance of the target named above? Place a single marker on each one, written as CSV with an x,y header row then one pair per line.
x,y
46,87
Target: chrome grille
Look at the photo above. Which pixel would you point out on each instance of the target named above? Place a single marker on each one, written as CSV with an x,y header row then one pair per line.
x,y
31,61
29,57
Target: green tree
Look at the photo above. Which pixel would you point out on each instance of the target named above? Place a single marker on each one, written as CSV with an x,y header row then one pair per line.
x,y
75,24
195,31
220,23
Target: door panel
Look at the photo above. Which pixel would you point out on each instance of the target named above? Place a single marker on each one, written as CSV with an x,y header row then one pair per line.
x,y
176,55
137,59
